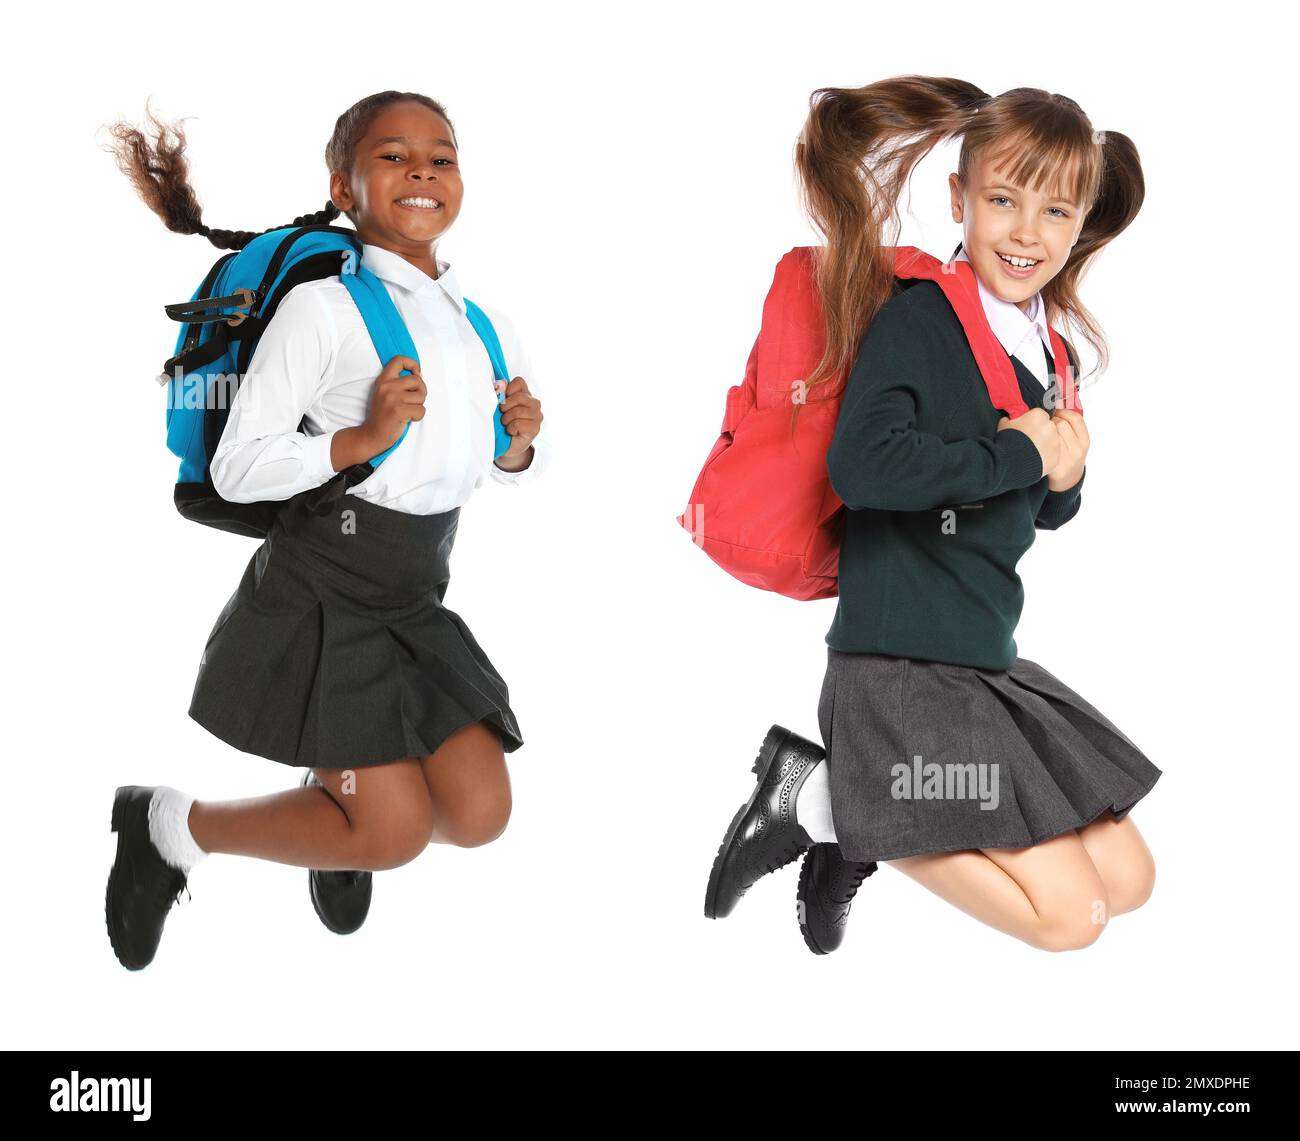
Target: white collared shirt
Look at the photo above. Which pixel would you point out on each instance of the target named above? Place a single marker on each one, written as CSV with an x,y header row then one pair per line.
x,y
316,360
1020,334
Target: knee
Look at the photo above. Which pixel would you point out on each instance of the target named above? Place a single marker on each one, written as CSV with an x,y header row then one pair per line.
x,y
1074,928
1069,938
397,840
478,819
1134,886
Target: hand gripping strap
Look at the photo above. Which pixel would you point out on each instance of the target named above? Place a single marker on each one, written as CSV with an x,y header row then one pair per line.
x,y
488,335
384,323
390,337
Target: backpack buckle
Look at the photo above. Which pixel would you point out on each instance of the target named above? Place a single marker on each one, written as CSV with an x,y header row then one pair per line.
x,y
196,312
249,299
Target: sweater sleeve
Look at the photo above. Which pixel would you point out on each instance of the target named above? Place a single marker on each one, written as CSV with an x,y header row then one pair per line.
x,y
261,454
1059,507
878,457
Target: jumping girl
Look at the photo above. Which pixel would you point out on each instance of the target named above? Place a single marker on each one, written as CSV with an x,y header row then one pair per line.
x,y
943,496
335,654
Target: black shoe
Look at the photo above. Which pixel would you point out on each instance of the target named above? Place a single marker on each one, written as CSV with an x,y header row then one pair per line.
x,y
827,885
341,898
764,835
142,886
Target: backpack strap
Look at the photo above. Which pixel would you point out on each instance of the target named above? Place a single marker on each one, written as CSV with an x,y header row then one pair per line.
x,y
959,284
1065,379
488,335
391,338
384,323
790,336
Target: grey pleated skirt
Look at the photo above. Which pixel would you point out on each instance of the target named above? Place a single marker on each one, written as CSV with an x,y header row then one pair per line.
x,y
928,757
335,651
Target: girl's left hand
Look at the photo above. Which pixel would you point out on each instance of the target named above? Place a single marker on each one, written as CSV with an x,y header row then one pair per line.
x,y
1074,450
521,417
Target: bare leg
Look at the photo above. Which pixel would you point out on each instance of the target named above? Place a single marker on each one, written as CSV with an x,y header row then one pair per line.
x,y
1050,895
468,786
366,819
1122,859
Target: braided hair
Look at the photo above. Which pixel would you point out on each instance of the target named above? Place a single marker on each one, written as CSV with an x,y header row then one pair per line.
x,y
159,169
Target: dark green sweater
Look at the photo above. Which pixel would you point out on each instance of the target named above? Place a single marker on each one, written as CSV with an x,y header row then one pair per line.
x,y
941,504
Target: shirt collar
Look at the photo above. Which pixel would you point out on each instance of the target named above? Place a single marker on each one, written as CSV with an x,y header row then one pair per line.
x,y
1010,323
396,270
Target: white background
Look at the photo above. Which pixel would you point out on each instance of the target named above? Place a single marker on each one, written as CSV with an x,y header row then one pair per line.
x,y
629,189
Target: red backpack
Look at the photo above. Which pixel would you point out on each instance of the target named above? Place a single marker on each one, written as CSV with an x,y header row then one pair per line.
x,y
762,507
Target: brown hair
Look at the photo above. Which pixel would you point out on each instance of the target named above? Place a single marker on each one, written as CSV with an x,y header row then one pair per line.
x,y
857,152
159,171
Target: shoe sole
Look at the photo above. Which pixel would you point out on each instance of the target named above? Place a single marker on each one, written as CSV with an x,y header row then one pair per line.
x,y
801,908
768,751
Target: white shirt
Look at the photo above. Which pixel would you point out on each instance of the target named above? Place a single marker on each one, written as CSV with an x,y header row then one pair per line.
x,y
316,359
1021,334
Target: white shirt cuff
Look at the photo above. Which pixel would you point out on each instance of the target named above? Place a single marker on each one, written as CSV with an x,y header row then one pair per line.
x,y
317,465
541,459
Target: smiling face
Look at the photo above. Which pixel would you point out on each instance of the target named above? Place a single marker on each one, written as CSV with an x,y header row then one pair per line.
x,y
404,189
1017,238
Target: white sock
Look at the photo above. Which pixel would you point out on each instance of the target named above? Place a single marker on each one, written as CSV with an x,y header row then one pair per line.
x,y
812,807
169,828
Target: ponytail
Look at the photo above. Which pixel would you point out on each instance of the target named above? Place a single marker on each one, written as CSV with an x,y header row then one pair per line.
x,y
855,156
1120,191
159,170
860,145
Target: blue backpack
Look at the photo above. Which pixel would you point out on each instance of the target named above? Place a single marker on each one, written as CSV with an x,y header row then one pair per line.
x,y
221,326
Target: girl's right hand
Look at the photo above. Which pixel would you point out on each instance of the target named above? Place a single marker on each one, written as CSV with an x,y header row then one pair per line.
x,y
394,401
1039,427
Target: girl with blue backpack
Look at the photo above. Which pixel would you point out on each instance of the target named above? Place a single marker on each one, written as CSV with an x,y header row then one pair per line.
x,y
314,351
972,770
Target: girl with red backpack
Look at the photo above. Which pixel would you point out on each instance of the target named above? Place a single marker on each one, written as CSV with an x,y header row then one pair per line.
x,y
336,655
972,770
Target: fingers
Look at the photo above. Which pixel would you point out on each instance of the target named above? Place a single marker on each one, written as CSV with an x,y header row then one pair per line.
x,y
410,405
1073,433
516,392
405,395
399,363
518,423
1074,419
521,411
530,413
